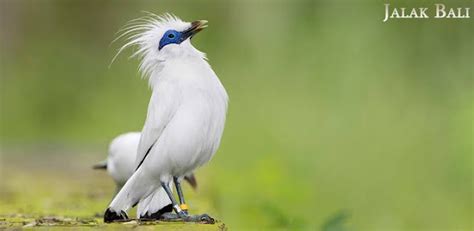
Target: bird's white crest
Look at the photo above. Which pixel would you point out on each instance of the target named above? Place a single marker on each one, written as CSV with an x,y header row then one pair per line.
x,y
144,33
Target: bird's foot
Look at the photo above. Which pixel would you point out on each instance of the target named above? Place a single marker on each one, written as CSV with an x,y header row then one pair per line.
x,y
171,216
113,216
203,218
183,214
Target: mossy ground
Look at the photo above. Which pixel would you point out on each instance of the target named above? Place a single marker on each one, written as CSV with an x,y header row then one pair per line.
x,y
15,221
55,192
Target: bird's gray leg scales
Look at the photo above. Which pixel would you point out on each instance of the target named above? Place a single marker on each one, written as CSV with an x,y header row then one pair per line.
x,y
176,207
179,214
179,190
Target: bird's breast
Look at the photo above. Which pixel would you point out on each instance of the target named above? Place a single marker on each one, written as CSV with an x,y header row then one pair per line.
x,y
192,78
195,130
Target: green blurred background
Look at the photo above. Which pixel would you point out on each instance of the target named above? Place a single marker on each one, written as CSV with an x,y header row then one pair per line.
x,y
333,114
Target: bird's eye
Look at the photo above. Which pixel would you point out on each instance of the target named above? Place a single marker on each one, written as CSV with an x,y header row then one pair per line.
x,y
171,36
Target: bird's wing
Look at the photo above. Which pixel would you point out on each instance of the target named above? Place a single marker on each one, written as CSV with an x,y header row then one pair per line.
x,y
161,109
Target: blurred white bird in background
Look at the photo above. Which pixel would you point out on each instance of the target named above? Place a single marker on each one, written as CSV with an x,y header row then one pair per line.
x,y
121,158
186,114
120,165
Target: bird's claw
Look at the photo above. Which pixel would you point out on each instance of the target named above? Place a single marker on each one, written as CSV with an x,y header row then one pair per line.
x,y
203,218
206,219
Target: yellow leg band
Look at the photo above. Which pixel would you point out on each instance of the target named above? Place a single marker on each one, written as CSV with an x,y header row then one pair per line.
x,y
183,206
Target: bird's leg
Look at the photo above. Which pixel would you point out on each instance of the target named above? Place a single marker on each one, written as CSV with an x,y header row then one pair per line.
x,y
176,207
181,215
179,190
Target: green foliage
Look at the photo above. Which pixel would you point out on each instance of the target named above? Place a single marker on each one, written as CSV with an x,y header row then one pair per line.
x,y
336,223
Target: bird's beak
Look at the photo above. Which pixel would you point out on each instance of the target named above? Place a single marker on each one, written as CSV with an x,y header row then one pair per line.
x,y
196,26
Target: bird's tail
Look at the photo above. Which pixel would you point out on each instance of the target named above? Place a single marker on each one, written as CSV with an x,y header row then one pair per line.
x,y
137,187
100,165
191,180
155,205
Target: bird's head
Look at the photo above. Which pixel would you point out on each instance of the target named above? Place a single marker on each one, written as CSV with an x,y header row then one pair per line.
x,y
160,38
177,34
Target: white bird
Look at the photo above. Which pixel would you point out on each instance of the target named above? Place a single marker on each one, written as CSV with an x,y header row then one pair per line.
x,y
120,165
186,114
121,157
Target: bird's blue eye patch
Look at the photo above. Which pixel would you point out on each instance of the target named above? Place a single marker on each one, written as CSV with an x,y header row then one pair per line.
x,y
170,37
177,37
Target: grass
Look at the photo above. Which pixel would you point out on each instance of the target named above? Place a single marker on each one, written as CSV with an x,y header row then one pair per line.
x,y
33,194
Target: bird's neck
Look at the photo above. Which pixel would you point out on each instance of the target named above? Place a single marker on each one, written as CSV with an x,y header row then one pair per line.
x,y
172,66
